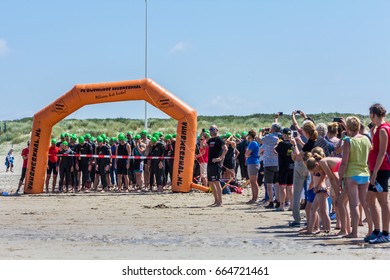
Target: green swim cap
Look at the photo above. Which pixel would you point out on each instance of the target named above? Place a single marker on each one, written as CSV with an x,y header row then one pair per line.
x,y
92,138
81,139
88,136
100,139
154,139
244,133
130,133
137,137
237,135
144,132
174,135
74,137
228,134
65,143
53,141
62,135
148,136
121,137
168,137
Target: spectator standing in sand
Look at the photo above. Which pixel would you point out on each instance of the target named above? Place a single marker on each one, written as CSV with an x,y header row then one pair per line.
x,y
354,171
241,147
25,152
202,158
253,164
9,160
271,161
286,168
217,152
379,165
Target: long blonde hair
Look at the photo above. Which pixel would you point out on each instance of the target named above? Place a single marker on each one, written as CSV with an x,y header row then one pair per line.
x,y
310,130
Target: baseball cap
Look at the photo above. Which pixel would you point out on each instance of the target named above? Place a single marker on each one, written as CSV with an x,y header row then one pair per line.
x,y
286,130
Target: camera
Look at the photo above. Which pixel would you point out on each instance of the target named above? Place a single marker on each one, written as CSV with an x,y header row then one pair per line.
x,y
298,111
370,125
337,120
280,113
294,133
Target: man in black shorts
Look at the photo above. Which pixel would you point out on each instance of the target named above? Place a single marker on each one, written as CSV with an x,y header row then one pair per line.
x,y
217,152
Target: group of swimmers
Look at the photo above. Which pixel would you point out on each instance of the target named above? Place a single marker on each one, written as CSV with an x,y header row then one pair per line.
x,y
85,163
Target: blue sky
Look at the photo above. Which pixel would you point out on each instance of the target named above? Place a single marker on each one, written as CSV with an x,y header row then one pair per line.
x,y
219,56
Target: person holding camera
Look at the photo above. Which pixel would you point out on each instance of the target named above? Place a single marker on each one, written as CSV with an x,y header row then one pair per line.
x,y
271,161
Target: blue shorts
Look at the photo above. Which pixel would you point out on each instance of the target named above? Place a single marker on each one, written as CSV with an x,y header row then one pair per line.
x,y
360,180
310,195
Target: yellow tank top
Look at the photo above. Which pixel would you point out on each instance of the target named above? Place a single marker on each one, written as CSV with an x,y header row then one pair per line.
x,y
358,156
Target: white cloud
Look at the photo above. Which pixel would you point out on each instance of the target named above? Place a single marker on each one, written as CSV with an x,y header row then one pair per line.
x,y
3,47
180,47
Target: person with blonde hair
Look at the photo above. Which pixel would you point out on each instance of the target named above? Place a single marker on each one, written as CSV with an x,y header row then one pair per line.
x,y
354,172
379,165
299,148
320,189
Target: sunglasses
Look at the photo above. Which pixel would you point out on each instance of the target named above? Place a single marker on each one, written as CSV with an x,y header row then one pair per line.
x,y
213,128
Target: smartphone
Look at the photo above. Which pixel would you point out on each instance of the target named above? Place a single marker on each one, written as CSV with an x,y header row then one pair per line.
x,y
294,134
370,125
337,120
298,111
280,113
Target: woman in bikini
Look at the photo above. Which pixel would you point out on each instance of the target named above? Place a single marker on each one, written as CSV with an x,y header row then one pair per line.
x,y
354,172
321,192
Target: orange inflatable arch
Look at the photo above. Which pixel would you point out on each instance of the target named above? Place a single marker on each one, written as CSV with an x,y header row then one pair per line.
x,y
81,95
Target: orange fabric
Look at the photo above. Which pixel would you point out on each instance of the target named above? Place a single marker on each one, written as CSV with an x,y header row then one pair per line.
x,y
85,94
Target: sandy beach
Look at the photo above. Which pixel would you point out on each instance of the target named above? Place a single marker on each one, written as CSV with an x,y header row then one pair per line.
x,y
151,226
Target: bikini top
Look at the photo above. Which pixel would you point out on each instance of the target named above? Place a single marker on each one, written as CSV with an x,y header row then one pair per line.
x,y
336,167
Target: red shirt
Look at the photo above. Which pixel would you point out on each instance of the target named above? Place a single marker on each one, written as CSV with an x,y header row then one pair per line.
x,y
25,154
372,156
205,157
53,151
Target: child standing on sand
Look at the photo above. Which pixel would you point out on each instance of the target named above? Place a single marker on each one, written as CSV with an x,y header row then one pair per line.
x,y
9,160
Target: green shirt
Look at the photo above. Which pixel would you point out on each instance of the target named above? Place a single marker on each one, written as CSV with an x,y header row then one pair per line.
x,y
358,156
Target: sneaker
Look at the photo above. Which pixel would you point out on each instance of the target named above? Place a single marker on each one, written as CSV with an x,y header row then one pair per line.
x,y
269,206
380,239
371,237
295,224
277,204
